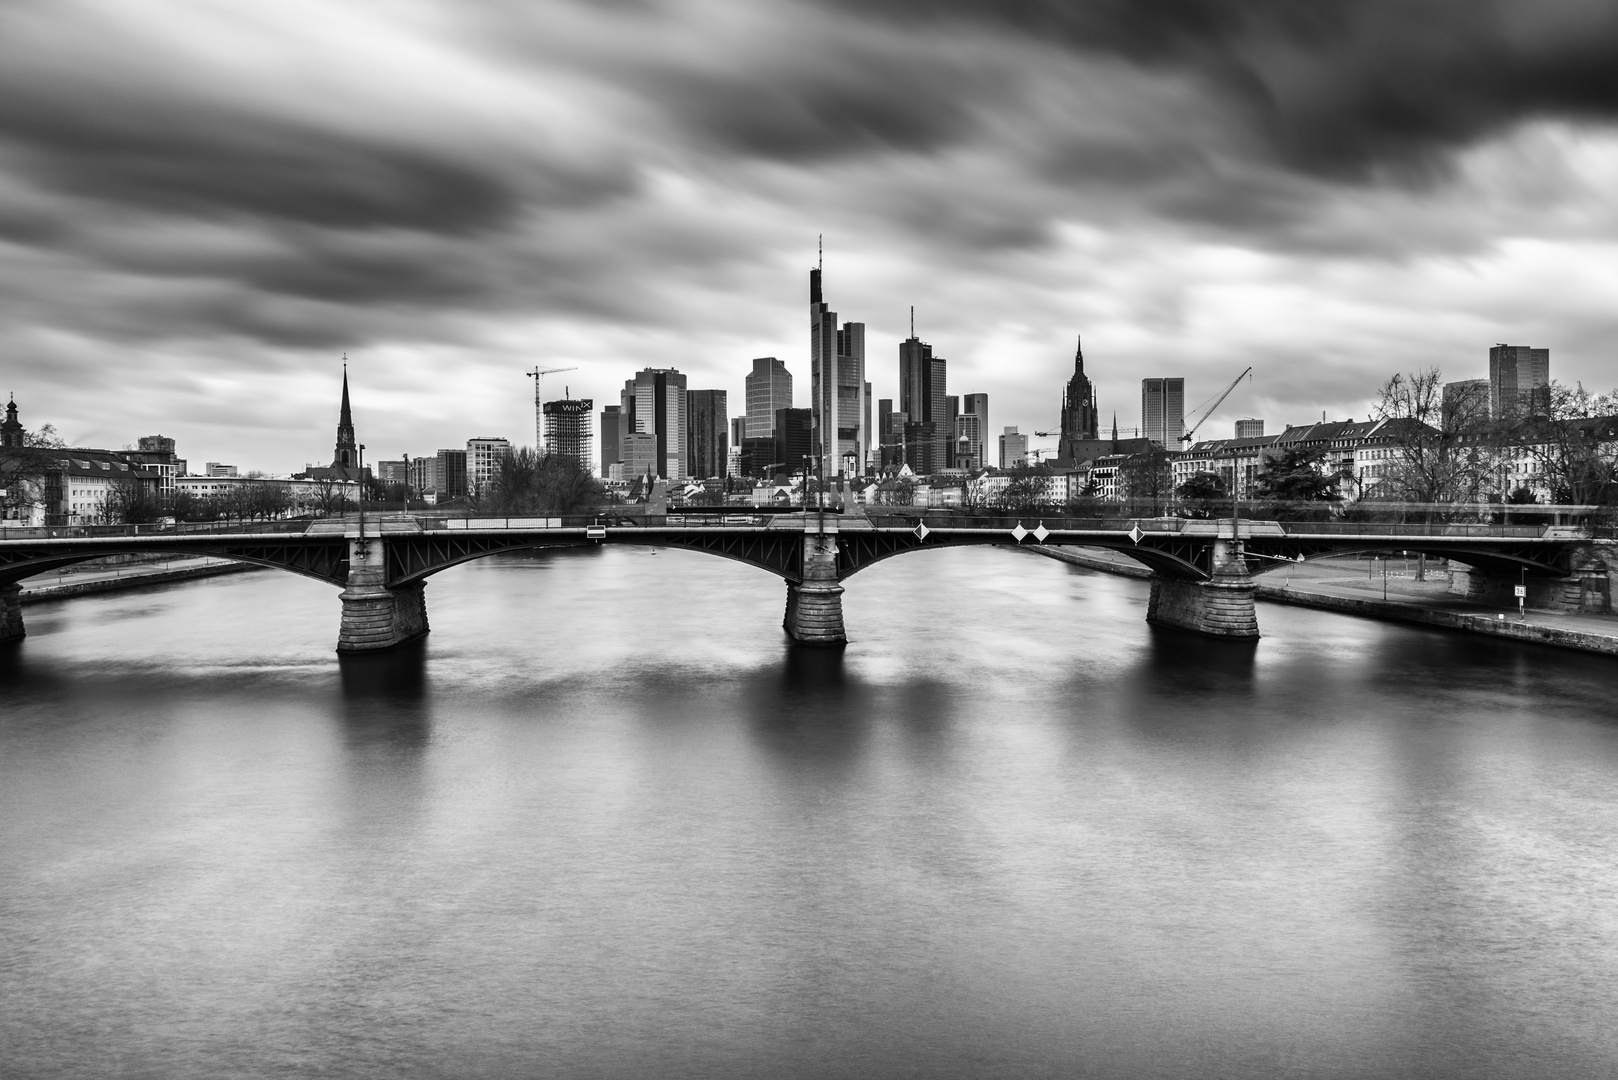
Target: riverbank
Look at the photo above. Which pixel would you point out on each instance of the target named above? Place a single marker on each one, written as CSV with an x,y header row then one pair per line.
x,y
82,582
1351,587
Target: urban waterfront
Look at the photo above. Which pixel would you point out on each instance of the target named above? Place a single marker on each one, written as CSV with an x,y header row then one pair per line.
x,y
606,821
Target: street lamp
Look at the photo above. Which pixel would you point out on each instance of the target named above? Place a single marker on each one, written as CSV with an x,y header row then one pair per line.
x,y
362,494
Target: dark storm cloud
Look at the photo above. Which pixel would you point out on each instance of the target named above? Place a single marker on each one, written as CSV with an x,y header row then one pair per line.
x,y
1339,88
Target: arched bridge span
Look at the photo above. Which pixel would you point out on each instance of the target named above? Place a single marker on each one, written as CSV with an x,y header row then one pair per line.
x,y
382,572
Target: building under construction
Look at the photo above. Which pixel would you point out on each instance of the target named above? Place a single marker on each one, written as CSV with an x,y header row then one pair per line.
x,y
567,428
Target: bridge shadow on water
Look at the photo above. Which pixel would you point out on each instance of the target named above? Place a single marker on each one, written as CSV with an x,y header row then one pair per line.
x,y
385,698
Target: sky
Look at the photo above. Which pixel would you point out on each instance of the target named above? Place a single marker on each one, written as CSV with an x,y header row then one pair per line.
x,y
205,206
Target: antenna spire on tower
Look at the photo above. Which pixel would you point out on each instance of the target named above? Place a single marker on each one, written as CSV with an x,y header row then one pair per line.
x,y
912,320
820,258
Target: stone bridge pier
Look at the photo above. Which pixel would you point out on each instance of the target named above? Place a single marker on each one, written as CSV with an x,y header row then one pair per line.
x,y
815,606
1219,607
1586,589
377,617
11,628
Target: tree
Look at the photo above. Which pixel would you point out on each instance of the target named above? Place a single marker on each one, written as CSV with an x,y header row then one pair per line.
x,y
1028,488
1438,450
23,470
327,497
1201,491
899,491
1146,478
1574,450
271,499
528,483
1296,476
130,502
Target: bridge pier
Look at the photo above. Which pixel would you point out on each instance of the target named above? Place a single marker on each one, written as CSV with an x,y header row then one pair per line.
x,y
1221,607
814,613
376,617
11,628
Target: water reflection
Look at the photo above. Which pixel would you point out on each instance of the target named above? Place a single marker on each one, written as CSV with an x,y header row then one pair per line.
x,y
384,696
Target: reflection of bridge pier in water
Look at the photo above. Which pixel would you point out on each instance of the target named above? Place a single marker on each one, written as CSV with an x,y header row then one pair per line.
x,y
1203,570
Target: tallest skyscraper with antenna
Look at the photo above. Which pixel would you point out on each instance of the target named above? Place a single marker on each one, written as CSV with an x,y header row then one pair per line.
x,y
840,398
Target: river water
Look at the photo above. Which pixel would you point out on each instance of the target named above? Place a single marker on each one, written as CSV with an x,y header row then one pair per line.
x,y
606,822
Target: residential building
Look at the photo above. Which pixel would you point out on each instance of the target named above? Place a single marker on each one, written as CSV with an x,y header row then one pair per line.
x,y
1249,428
483,457
1080,420
1013,449
567,428
1162,411
707,440
769,390
1519,381
840,396
157,453
654,404
421,475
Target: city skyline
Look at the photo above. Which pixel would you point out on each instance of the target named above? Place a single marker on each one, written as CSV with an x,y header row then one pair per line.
x,y
453,197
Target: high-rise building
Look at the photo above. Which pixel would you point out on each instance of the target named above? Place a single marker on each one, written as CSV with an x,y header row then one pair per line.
x,y
890,435
483,456
840,396
1013,449
1465,402
567,428
1080,420
612,437
1249,428
449,474
794,437
769,390
654,404
1162,411
925,404
757,458
707,441
393,473
1519,381
157,453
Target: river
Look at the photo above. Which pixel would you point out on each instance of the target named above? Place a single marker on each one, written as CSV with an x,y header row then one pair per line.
x,y
604,821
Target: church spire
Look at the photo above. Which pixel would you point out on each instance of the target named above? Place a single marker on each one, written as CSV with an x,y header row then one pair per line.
x,y
347,453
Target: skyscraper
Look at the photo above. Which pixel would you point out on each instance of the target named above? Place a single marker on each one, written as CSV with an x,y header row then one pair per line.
x,y
839,399
567,428
1080,420
1465,402
707,442
1013,449
653,407
925,403
977,430
1249,429
769,389
1162,411
1519,381
612,437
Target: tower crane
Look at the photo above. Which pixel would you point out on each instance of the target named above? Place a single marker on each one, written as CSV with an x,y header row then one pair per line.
x,y
538,375
1216,403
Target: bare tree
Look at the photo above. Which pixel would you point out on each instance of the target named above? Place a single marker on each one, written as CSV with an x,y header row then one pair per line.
x,y
23,469
130,502
1438,451
1147,478
1574,450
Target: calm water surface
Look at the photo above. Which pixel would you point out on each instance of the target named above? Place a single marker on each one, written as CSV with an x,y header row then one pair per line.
x,y
605,822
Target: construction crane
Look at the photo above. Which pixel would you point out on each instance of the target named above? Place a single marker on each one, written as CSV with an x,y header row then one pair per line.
x,y
1216,403
538,375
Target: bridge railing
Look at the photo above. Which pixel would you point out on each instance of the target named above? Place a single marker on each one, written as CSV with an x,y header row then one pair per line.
x,y
1421,529
183,528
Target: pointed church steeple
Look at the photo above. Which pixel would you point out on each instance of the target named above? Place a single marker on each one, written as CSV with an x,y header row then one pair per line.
x,y
347,455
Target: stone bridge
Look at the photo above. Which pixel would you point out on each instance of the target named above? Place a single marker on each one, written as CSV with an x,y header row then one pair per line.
x,y
1202,570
